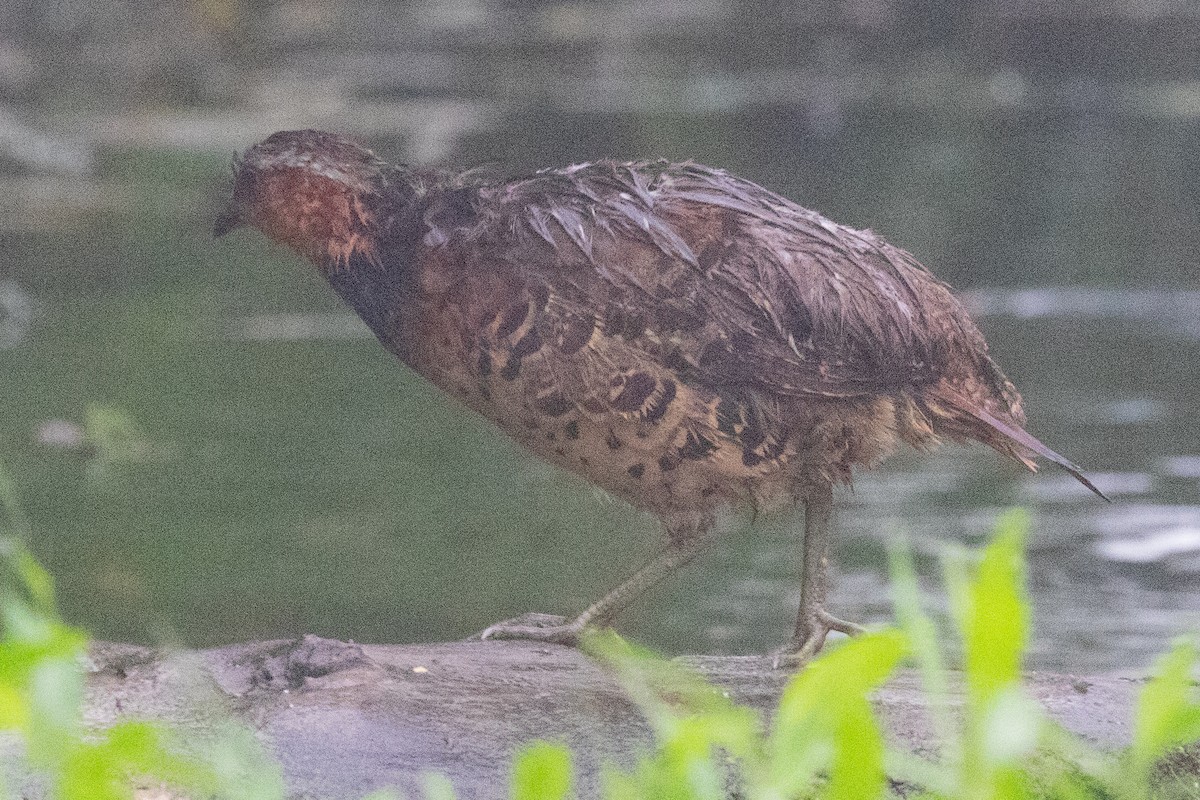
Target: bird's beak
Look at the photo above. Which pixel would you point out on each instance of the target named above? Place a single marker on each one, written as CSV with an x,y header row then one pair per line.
x,y
229,219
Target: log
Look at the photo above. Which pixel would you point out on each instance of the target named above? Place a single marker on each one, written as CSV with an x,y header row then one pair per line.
x,y
344,719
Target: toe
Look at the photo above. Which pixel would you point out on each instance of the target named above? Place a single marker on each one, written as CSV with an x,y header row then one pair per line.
x,y
799,652
529,622
535,628
840,625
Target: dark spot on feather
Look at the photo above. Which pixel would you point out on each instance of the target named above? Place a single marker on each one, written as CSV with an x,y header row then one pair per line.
x,y
614,320
485,393
696,447
707,491
572,429
529,344
714,354
584,460
710,256
594,405
635,325
576,334
512,319
752,436
540,293
637,470
750,458
555,405
669,318
558,451
613,442
451,209
620,320
483,365
729,415
798,321
638,387
675,361
730,227
668,462
659,407
509,370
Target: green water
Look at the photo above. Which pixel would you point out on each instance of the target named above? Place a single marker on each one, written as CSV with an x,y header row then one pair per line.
x,y
271,471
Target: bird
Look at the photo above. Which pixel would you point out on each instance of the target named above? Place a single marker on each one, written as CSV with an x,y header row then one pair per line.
x,y
681,337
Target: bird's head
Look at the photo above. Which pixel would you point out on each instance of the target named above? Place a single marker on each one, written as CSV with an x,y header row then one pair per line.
x,y
310,190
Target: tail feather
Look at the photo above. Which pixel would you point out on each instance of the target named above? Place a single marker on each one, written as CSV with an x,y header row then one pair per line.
x,y
1019,436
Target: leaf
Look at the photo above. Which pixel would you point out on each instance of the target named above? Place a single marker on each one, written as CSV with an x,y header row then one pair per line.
x,y
542,772
828,702
1168,714
996,624
667,693
957,580
87,773
243,770
922,636
1002,727
146,749
437,787
1011,728
857,771
55,694
14,711
691,758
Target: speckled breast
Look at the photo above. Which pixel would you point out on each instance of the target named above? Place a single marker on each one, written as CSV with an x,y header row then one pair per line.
x,y
586,404
583,398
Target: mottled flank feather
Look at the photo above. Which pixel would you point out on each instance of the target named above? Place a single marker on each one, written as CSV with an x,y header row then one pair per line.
x,y
680,336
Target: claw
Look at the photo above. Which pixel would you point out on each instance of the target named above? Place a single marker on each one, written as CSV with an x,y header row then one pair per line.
x,y
801,649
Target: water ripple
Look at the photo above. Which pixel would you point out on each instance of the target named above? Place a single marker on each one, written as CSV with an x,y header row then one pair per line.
x,y
1151,534
1175,310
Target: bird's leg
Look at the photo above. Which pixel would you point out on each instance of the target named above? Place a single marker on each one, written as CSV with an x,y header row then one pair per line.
x,y
814,623
682,547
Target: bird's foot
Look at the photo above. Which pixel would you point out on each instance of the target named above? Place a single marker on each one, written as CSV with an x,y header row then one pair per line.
x,y
538,628
807,643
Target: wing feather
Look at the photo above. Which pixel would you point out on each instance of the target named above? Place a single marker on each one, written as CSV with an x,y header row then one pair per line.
x,y
791,302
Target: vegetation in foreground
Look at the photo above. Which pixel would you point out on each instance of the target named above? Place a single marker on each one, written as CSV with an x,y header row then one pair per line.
x,y
824,741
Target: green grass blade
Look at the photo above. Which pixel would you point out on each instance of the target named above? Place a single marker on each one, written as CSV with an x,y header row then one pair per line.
x,y
923,639
1167,714
827,703
996,625
542,771
857,769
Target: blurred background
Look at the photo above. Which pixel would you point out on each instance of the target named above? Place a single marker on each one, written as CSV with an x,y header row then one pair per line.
x,y
211,449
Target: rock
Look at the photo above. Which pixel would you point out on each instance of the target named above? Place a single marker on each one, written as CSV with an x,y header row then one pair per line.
x,y
344,719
